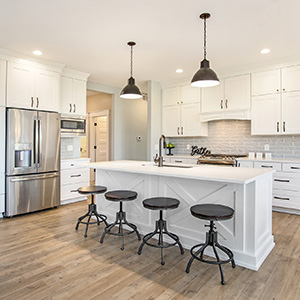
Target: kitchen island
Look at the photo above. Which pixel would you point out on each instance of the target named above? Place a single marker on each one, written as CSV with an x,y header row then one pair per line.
x,y
247,191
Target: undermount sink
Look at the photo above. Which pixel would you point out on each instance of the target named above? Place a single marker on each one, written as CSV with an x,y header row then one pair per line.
x,y
178,166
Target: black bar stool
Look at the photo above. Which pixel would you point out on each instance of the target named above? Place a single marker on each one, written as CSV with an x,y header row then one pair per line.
x,y
91,190
120,196
212,213
161,203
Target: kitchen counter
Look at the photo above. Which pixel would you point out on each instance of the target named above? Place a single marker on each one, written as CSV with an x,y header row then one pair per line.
x,y
200,172
247,191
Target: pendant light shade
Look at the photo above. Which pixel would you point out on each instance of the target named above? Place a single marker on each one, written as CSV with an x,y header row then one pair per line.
x,y
205,76
131,91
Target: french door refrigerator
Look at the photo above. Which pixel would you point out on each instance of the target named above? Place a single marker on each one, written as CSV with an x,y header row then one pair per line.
x,y
32,161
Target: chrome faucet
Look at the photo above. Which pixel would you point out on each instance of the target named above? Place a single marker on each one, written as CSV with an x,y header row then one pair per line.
x,y
159,159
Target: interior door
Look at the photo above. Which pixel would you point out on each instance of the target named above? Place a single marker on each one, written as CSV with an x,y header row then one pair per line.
x,y
101,138
48,142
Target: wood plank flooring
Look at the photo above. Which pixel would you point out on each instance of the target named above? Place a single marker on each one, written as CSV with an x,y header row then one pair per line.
x,y
43,257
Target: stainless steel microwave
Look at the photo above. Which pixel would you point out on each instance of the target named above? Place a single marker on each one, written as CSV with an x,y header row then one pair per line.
x,y
73,126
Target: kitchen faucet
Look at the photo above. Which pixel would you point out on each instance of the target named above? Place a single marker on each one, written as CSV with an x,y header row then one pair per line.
x,y
159,159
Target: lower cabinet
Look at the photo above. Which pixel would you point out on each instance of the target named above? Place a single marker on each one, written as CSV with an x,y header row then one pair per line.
x,y
286,183
73,176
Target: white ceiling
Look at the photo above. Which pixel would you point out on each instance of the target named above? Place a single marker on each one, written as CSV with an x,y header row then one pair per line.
x,y
92,35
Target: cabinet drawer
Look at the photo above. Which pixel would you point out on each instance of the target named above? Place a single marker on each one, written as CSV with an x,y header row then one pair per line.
x,y
290,167
245,164
69,191
2,203
73,164
167,159
179,160
74,175
271,165
286,199
287,181
192,161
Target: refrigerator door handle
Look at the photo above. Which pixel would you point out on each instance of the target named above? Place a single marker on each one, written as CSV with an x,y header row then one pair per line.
x,y
39,143
34,178
34,142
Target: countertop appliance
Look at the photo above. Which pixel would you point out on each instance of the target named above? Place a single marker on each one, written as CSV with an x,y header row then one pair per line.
x,y
73,126
32,161
219,159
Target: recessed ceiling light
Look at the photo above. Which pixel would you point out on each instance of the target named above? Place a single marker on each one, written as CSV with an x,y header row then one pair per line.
x,y
37,52
179,71
265,51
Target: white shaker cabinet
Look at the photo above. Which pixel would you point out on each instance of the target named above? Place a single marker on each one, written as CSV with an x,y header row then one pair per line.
x,y
181,112
73,96
228,100
290,79
32,88
266,82
2,82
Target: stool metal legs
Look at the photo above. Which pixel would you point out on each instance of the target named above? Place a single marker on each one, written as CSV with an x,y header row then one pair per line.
x,y
91,212
211,240
160,229
120,221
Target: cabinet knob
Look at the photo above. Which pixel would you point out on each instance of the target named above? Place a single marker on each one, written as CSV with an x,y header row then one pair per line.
x,y
277,90
283,90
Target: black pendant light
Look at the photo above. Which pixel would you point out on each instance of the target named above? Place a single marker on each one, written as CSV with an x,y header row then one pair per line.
x,y
131,91
205,76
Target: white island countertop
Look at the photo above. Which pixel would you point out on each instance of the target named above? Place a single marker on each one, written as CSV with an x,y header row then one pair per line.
x,y
207,172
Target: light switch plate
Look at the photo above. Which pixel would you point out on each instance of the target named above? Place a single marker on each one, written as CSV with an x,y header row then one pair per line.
x,y
70,147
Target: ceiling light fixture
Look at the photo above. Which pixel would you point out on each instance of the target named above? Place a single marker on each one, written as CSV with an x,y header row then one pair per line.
x,y
131,91
37,52
205,76
179,71
265,51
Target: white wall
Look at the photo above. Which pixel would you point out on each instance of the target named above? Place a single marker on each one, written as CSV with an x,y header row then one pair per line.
x,y
129,119
154,117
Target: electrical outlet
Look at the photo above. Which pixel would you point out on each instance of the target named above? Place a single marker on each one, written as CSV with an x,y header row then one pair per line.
x,y
267,147
188,146
70,147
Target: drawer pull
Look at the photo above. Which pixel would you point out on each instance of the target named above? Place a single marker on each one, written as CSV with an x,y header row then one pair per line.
x,y
295,168
282,180
72,165
73,191
263,166
281,198
78,175
178,161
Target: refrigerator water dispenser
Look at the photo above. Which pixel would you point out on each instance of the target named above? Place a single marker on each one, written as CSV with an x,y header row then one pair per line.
x,y
23,155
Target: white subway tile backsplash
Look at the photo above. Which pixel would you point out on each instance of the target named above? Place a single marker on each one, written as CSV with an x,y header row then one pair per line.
x,y
234,137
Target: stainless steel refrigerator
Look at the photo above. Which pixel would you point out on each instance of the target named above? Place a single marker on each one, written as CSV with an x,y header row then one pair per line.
x,y
32,161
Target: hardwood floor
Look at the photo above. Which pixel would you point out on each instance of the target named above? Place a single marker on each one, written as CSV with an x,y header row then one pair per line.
x,y
43,257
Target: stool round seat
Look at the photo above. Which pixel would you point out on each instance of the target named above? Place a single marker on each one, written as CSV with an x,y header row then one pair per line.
x,y
213,212
121,195
161,203
94,189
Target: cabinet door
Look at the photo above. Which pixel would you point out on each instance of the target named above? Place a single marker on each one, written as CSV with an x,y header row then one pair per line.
x,y
265,115
290,103
212,98
47,90
189,94
267,82
171,120
290,79
237,92
79,97
190,121
2,82
171,96
20,86
66,95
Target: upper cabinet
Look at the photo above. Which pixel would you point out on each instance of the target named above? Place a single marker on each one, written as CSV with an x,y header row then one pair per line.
x,y
228,100
32,87
276,101
181,112
73,94
2,82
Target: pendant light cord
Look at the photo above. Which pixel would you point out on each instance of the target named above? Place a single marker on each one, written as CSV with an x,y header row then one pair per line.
x,y
131,64
204,38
